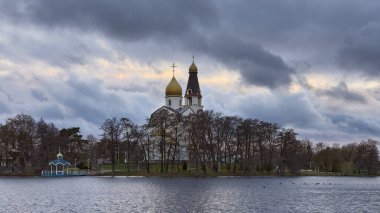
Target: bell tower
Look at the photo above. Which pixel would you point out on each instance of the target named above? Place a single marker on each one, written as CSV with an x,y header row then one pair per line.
x,y
193,96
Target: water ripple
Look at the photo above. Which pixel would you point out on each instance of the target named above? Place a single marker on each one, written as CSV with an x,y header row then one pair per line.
x,y
133,194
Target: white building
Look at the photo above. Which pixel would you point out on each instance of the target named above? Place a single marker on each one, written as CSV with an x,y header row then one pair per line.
x,y
193,97
174,104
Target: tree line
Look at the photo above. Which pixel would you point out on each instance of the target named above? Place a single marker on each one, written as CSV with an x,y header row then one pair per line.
x,y
214,141
204,142
27,145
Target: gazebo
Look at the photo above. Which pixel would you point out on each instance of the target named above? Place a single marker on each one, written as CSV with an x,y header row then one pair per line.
x,y
59,161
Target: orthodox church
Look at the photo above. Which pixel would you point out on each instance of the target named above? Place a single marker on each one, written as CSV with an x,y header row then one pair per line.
x,y
192,97
181,105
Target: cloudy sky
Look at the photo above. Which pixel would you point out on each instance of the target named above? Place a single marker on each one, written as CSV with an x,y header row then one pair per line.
x,y
309,65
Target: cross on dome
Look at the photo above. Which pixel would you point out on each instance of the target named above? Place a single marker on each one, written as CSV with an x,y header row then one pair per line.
x,y
173,66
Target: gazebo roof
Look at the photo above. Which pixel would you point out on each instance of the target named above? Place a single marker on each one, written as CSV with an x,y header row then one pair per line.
x,y
59,162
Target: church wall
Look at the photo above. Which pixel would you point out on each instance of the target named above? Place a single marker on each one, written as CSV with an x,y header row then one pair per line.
x,y
173,102
195,101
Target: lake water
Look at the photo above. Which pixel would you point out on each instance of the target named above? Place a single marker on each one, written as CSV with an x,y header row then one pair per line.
x,y
223,194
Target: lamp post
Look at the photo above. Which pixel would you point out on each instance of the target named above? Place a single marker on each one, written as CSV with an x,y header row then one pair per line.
x,y
88,166
75,165
102,165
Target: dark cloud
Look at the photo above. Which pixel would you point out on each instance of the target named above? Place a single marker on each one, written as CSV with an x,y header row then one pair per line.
x,y
275,19
224,30
287,110
300,112
256,65
312,31
39,95
4,98
8,97
50,111
375,93
351,124
93,102
78,99
126,20
302,80
191,25
342,92
361,51
89,101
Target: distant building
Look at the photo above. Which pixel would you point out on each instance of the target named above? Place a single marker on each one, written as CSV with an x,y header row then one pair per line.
x,y
59,165
10,160
103,161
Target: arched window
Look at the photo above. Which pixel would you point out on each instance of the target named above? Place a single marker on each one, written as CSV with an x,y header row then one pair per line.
x,y
170,102
189,91
190,100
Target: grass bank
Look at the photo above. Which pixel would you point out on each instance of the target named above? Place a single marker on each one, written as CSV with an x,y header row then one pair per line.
x,y
121,170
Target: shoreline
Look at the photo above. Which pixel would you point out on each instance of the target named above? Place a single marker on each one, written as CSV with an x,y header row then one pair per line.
x,y
193,175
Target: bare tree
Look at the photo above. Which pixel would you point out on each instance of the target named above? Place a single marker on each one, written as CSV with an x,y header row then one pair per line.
x,y
21,131
246,135
218,137
92,142
368,157
5,146
145,143
72,142
128,131
47,137
212,141
289,151
192,133
111,134
160,124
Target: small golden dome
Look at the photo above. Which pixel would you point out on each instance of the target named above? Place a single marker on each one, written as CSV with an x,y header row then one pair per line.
x,y
193,68
173,88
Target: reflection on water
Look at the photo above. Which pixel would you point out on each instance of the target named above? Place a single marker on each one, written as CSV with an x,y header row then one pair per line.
x,y
154,194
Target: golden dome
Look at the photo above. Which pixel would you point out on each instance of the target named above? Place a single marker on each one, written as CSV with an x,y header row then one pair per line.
x,y
173,88
193,68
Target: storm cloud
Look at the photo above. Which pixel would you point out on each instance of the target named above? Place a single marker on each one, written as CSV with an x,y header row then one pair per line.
x,y
191,25
342,92
361,50
256,65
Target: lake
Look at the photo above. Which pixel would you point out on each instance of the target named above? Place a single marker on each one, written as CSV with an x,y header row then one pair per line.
x,y
163,194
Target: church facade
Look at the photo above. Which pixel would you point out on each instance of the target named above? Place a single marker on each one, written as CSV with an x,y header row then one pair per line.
x,y
183,103
180,103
